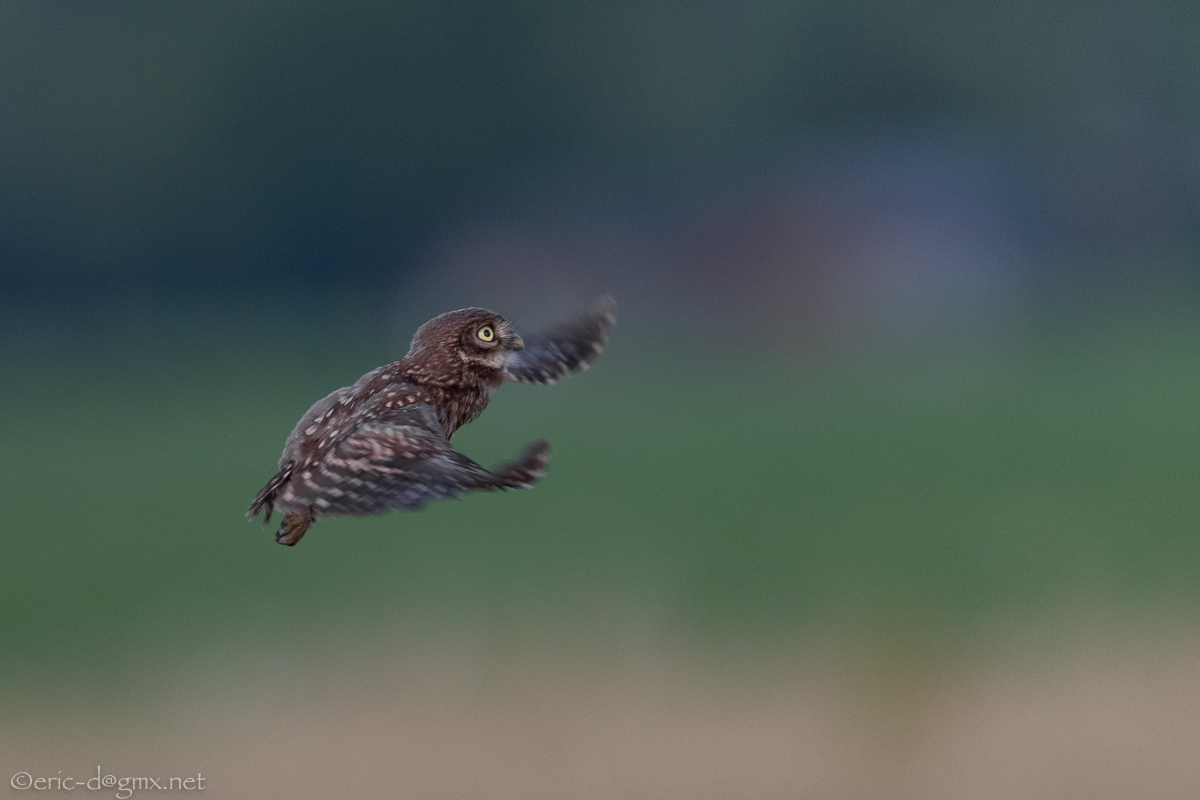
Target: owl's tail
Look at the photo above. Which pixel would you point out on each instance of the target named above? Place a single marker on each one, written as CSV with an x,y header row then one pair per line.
x,y
265,499
523,473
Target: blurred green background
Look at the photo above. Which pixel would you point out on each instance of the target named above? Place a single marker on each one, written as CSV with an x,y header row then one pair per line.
x,y
884,486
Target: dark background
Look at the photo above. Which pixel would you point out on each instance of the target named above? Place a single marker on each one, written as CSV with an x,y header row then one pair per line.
x,y
885,486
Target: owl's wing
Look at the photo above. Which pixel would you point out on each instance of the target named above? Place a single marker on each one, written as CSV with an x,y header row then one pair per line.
x,y
401,459
565,348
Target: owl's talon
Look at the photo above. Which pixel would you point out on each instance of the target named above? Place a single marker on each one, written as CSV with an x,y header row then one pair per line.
x,y
294,527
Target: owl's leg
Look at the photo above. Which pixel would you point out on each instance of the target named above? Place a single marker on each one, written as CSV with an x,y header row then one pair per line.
x,y
294,526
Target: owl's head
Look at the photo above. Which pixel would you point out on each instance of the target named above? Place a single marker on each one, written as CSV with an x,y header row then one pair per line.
x,y
469,337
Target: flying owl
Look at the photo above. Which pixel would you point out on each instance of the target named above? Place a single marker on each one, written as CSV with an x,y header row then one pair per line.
x,y
384,442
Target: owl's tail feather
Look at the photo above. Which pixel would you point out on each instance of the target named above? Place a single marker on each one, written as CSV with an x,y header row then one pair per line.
x,y
265,499
523,473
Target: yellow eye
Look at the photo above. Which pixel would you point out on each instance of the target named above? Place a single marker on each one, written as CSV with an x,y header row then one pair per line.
x,y
486,334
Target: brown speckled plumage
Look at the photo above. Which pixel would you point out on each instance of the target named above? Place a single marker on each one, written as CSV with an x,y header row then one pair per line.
x,y
384,442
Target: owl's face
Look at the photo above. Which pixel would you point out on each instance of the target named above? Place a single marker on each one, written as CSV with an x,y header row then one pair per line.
x,y
470,337
489,341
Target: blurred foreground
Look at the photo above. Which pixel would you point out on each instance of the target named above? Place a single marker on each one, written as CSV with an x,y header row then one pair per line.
x,y
1116,717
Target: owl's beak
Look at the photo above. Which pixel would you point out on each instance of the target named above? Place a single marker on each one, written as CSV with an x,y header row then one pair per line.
x,y
516,344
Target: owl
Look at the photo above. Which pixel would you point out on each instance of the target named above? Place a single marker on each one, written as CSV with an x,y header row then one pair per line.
x,y
384,442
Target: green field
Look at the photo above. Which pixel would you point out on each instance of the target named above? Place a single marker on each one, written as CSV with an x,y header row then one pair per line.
x,y
921,493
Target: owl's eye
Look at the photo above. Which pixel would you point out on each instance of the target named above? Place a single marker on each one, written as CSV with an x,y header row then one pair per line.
x,y
486,334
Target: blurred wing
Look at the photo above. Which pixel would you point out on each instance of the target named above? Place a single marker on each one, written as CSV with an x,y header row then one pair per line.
x,y
565,348
399,460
